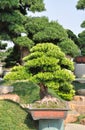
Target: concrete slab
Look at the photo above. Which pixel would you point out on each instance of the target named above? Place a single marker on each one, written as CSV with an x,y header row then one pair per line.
x,y
72,126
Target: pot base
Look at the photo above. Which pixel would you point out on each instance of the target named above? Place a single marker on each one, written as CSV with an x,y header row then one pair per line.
x,y
53,124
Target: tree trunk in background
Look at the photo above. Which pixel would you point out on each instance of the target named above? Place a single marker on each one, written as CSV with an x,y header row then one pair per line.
x,y
23,52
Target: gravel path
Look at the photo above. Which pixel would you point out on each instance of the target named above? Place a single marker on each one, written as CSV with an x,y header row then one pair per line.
x,y
72,126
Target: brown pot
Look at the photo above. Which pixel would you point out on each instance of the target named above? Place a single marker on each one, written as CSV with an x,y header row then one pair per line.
x,y
80,59
48,113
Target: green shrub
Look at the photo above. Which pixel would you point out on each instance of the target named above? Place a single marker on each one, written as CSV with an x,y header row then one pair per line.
x,y
28,91
17,73
12,117
80,118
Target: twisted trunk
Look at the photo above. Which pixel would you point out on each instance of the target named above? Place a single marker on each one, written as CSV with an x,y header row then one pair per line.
x,y
43,91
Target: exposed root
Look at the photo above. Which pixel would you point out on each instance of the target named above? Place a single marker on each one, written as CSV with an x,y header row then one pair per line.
x,y
46,102
25,105
48,99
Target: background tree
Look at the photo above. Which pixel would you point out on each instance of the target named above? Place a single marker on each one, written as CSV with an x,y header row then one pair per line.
x,y
41,30
69,48
12,18
81,5
2,49
81,37
73,37
14,23
3,46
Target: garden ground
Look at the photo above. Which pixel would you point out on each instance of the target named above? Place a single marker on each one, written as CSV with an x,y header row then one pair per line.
x,y
72,126
15,118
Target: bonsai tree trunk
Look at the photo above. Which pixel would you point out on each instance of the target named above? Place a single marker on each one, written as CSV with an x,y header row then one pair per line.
x,y
43,90
45,96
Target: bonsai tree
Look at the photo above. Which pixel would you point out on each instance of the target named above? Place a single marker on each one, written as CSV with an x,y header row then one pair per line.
x,y
49,68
